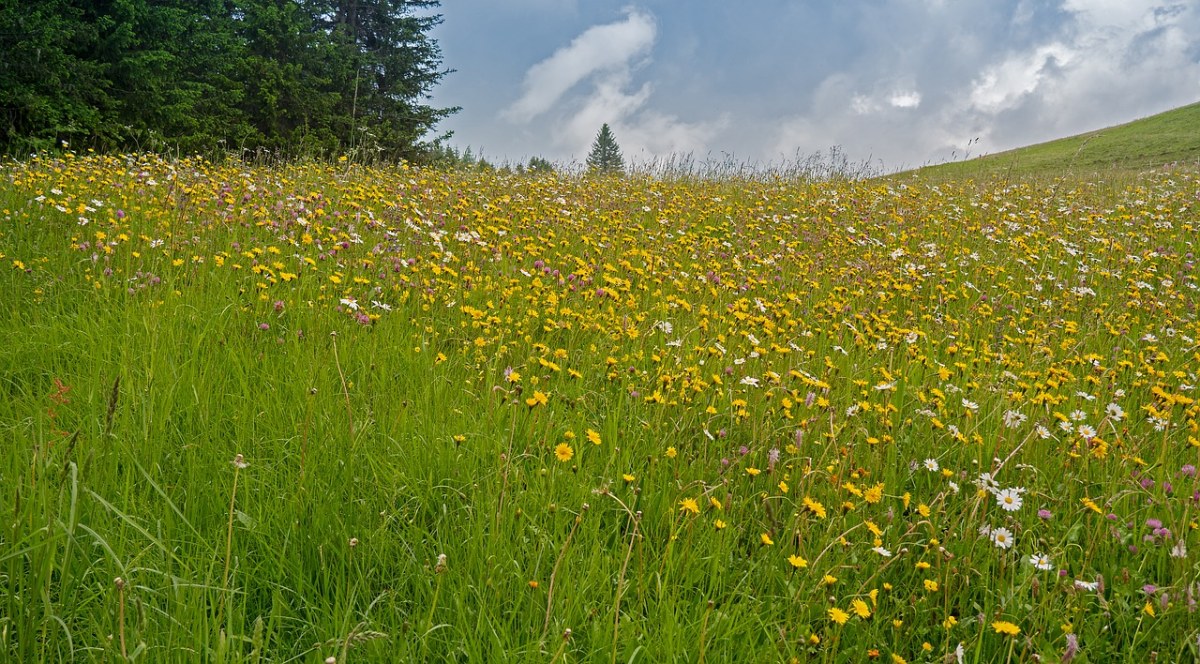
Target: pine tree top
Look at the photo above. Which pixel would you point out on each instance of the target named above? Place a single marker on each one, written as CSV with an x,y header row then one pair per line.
x,y
605,156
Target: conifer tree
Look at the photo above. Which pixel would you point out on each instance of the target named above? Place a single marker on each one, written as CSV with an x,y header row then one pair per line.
x,y
605,156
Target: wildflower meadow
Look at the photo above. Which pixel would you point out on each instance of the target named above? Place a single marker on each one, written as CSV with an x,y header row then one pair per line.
x,y
326,412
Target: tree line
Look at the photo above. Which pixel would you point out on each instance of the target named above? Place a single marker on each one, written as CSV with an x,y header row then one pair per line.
x,y
297,77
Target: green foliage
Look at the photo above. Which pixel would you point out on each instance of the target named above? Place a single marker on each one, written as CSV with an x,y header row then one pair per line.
x,y
685,420
605,156
298,77
540,165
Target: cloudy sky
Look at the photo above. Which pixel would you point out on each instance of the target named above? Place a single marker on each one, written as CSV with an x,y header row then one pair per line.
x,y
899,82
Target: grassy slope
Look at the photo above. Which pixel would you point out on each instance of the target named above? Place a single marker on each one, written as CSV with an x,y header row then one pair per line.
x,y
1166,138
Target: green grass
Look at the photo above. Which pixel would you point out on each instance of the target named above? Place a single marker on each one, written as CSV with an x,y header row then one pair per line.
x,y
1163,140
825,343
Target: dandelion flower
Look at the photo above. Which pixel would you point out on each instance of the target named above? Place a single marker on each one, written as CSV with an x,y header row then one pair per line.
x,y
1005,627
797,561
593,437
838,616
816,508
563,452
860,609
689,505
766,539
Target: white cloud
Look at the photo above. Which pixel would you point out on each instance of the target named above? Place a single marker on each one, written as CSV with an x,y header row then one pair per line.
x,y
607,56
1004,85
607,47
1087,64
907,99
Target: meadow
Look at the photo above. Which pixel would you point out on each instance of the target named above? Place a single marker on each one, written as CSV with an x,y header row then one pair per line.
x,y
339,413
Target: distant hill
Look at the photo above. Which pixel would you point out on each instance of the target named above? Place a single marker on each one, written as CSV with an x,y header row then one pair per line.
x,y
1159,140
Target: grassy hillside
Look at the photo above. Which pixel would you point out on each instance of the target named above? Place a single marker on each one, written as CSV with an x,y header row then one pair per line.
x,y
1166,138
309,413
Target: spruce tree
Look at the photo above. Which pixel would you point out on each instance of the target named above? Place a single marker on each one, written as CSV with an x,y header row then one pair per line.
x,y
605,156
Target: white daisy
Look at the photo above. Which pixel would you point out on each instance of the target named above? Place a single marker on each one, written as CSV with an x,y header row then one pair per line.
x,y
1002,538
1013,419
1009,499
1041,561
931,465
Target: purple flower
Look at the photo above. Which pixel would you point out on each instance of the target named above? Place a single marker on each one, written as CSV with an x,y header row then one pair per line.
x,y
1153,523
1044,514
1149,588
1188,470
1072,648
263,326
1147,483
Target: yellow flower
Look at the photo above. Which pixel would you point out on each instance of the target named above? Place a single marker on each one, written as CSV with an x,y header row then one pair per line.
x,y
719,524
1005,627
766,539
753,472
797,561
783,487
874,494
838,616
897,659
538,399
671,453
829,579
563,452
861,609
715,503
628,478
931,585
949,622
593,437
815,507
689,505
1148,609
